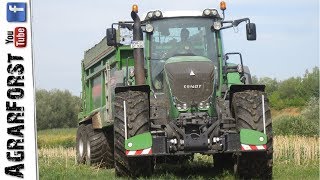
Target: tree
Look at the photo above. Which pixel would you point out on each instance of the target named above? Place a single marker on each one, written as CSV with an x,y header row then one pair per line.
x,y
310,84
295,91
271,84
56,109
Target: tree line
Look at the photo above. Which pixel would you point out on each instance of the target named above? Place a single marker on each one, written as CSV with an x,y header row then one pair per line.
x,y
56,109
301,92
292,92
59,108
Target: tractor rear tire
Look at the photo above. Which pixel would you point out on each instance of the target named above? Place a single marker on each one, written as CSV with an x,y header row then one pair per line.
x,y
247,110
137,110
99,147
81,141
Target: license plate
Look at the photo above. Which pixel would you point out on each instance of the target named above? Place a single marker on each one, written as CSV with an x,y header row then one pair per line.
x,y
137,44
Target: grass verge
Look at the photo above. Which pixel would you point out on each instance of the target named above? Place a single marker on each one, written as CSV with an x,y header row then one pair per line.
x,y
59,163
295,157
51,138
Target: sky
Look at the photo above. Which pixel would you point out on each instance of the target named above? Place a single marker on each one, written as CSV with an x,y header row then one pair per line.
x,y
287,34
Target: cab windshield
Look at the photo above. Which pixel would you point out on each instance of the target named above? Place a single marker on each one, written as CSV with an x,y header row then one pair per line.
x,y
184,36
189,36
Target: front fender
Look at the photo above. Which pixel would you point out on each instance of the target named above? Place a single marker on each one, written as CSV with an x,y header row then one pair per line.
x,y
242,87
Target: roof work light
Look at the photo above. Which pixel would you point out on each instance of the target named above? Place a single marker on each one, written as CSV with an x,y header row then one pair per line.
x,y
223,5
135,8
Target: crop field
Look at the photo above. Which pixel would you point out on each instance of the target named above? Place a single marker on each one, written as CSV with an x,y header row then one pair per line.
x,y
294,158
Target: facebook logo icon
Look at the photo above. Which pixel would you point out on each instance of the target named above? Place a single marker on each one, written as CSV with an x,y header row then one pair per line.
x,y
16,12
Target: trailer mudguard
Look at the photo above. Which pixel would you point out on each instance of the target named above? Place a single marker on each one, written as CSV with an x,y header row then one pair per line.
x,y
94,118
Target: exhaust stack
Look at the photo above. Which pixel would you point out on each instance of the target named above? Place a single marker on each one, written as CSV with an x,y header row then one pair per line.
x,y
138,53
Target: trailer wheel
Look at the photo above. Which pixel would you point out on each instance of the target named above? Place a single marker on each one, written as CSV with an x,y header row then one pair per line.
x,y
247,109
137,123
81,141
99,147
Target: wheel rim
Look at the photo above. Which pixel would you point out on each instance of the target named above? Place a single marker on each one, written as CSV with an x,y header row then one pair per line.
x,y
80,147
88,152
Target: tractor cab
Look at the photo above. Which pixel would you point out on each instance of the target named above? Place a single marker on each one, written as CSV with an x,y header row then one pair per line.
x,y
184,36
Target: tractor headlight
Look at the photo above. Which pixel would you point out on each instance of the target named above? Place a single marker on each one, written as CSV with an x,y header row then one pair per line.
x,y
157,14
207,12
182,107
217,25
150,14
149,28
207,105
204,105
201,105
154,14
214,12
210,12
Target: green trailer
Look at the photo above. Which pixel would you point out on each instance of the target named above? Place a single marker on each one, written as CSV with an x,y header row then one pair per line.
x,y
162,89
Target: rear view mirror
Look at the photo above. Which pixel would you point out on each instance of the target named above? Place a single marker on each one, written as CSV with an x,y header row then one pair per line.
x,y
251,32
111,37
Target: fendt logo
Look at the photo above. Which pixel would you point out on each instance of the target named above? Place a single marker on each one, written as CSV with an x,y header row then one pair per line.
x,y
190,86
18,37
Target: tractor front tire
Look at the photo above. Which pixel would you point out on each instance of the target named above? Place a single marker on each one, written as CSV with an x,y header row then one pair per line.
x,y
247,110
137,110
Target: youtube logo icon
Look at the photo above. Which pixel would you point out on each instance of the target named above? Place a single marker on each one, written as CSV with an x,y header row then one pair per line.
x,y
18,37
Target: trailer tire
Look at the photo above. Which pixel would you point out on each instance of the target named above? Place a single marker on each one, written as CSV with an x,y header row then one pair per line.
x,y
247,110
137,123
99,147
81,141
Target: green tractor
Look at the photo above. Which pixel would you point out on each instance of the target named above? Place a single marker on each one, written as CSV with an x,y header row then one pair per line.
x,y
162,89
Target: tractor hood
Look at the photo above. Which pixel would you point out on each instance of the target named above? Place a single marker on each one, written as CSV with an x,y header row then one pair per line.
x,y
190,78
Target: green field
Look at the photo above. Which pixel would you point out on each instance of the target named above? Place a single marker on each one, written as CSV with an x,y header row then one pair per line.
x,y
294,158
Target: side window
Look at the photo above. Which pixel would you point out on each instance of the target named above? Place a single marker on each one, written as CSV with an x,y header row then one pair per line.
x,y
125,36
96,91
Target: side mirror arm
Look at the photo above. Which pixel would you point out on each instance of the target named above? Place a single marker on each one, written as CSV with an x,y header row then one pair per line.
x,y
238,21
234,23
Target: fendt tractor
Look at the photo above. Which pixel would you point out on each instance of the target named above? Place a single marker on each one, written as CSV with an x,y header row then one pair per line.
x,y
160,89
